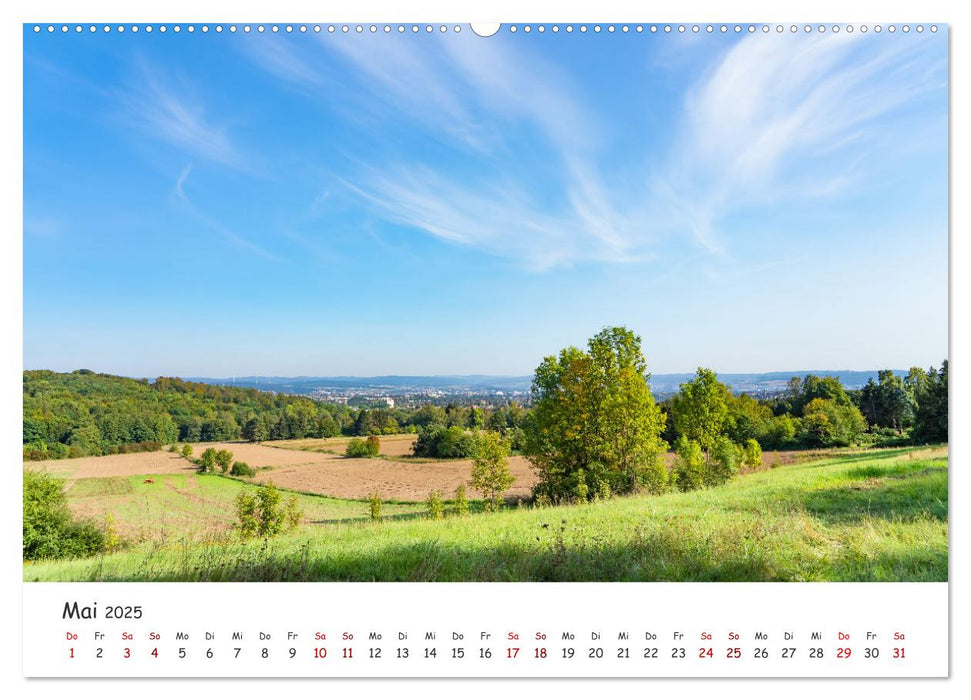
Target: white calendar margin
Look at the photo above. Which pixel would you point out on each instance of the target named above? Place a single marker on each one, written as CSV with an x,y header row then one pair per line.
x,y
444,10
474,616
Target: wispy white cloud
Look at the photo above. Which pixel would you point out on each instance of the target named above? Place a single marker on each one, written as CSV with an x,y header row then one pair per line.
x,y
166,110
781,118
469,93
530,167
495,216
182,200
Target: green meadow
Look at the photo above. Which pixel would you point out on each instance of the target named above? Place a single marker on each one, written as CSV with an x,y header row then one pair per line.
x,y
879,515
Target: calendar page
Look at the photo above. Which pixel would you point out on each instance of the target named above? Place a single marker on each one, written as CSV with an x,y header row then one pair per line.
x,y
432,348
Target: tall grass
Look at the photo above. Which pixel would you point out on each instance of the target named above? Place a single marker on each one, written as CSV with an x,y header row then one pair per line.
x,y
856,517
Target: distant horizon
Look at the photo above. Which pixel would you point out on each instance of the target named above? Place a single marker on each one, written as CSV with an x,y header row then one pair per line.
x,y
228,378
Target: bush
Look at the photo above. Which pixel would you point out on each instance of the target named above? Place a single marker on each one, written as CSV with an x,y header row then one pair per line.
x,y
265,514
753,454
826,423
357,447
723,464
375,504
490,469
444,443
373,445
187,451
224,458
689,465
603,491
461,501
435,505
50,532
242,469
207,462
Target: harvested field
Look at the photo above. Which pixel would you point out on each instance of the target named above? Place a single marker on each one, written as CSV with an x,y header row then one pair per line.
x,y
260,455
116,465
391,445
400,481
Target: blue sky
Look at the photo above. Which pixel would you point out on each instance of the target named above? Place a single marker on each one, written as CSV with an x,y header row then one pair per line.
x,y
229,204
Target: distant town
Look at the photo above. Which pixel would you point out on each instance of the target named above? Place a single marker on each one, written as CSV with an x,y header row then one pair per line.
x,y
489,390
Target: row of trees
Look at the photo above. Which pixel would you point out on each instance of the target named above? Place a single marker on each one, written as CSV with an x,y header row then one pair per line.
x,y
83,413
595,427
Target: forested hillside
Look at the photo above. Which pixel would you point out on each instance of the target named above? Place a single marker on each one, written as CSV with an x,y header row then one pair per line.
x,y
84,413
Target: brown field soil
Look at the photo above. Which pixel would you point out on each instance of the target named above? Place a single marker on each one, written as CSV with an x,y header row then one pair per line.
x,y
399,481
116,465
260,455
391,445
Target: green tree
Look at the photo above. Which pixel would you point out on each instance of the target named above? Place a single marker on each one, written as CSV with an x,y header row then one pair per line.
x,y
427,415
688,472
931,416
49,529
490,469
594,419
374,503
256,429
224,460
476,419
271,516
814,387
207,461
723,464
242,469
826,423
752,456
373,445
783,430
496,422
356,447
247,518
748,419
187,451
701,410
435,505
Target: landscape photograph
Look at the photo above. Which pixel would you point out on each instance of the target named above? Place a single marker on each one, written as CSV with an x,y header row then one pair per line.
x,y
547,303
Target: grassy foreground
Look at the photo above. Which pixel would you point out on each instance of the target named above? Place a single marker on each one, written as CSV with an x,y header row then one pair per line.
x,y
874,516
194,507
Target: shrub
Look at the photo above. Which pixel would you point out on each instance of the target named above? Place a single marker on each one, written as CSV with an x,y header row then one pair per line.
x,y
689,465
490,469
242,469
723,463
265,514
187,451
826,423
50,532
247,518
375,504
461,501
207,462
435,505
603,491
445,443
753,454
112,541
373,445
581,489
357,447
224,458
292,513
